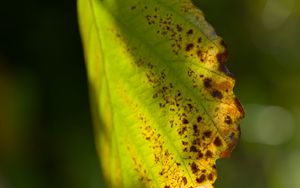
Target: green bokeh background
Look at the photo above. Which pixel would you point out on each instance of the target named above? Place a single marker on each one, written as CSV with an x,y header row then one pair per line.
x,y
46,134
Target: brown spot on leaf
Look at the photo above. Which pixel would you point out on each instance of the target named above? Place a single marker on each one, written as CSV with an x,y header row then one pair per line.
x,y
182,131
189,47
200,55
228,120
196,141
184,180
207,82
196,130
207,134
222,57
210,176
179,28
190,32
208,154
184,143
199,155
190,107
239,106
216,94
193,149
201,179
185,121
217,142
199,118
194,168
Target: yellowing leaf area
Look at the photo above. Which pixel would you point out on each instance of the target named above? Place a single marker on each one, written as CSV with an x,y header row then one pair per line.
x,y
162,97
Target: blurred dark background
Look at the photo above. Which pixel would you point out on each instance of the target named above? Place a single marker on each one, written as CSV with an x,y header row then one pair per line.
x,y
46,135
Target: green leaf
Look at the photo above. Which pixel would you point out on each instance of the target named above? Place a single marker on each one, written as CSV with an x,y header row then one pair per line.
x,y
162,97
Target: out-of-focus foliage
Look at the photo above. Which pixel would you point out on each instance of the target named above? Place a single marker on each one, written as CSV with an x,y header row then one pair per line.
x,y
46,137
162,97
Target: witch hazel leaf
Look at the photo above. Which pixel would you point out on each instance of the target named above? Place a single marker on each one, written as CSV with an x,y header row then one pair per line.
x,y
163,102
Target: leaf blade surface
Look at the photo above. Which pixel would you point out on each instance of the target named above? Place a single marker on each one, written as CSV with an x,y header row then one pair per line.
x,y
163,100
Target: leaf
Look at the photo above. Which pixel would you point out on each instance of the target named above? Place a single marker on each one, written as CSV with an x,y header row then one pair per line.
x,y
162,97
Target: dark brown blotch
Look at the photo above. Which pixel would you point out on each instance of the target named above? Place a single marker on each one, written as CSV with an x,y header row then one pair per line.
x,y
179,28
207,82
228,120
185,121
193,149
162,105
208,154
194,167
222,57
190,32
197,141
195,128
199,155
200,55
210,176
216,94
201,179
184,180
182,131
239,106
189,107
184,143
199,118
217,142
207,134
189,47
